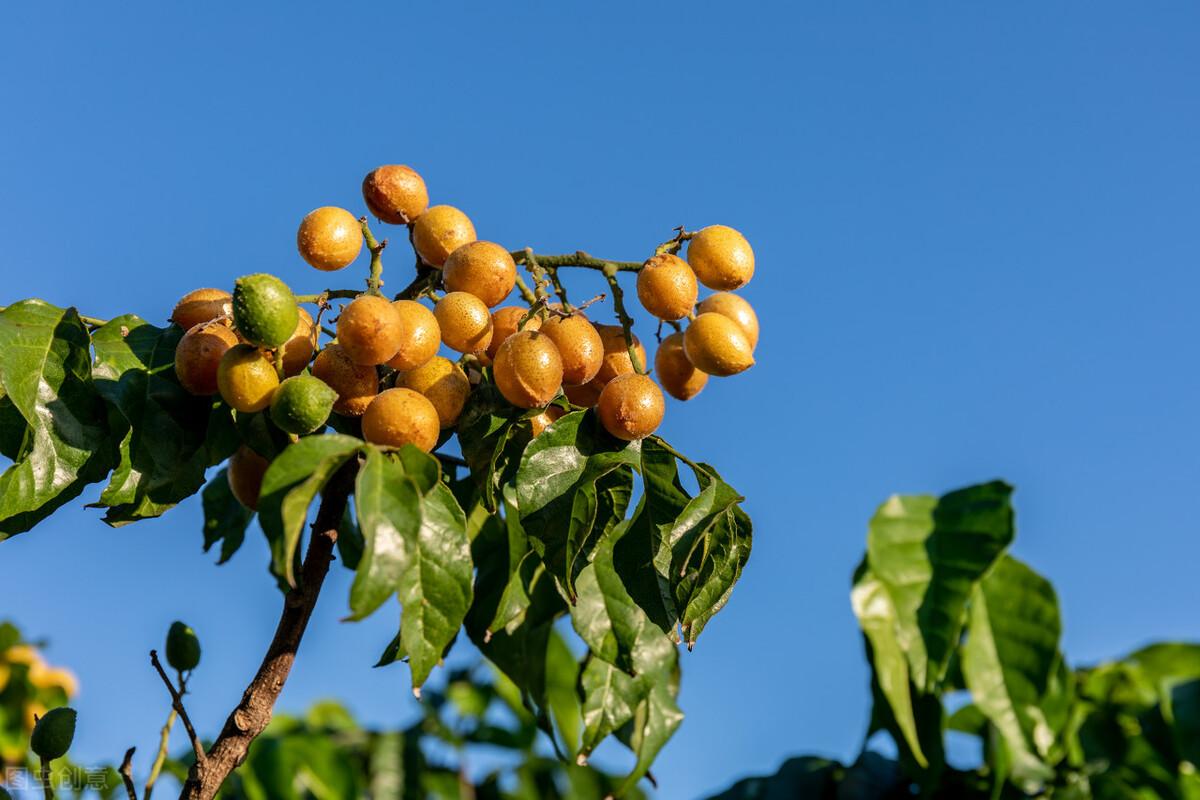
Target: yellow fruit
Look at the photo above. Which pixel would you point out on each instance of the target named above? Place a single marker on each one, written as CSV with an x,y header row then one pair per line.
x,y
395,193
677,375
369,330
246,378
356,385
504,324
200,306
666,286
485,269
54,678
631,406
543,420
528,369
298,350
198,356
401,416
578,343
245,474
443,383
23,654
616,353
717,345
721,257
465,322
439,232
329,238
420,335
737,309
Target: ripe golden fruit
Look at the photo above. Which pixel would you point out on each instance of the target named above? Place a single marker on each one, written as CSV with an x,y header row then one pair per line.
x,y
198,355
245,474
721,257
528,369
717,345
543,420
439,232
246,378
369,330
298,350
202,305
616,353
420,335
578,344
667,287
356,385
395,193
465,322
401,416
504,324
631,406
329,238
737,309
586,395
485,269
678,376
443,383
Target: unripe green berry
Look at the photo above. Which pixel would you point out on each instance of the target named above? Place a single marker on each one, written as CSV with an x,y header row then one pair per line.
x,y
302,404
53,734
183,647
264,309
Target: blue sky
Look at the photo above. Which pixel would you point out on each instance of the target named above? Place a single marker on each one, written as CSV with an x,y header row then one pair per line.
x,y
977,244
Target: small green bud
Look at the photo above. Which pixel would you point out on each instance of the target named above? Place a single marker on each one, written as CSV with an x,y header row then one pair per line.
x,y
53,734
183,647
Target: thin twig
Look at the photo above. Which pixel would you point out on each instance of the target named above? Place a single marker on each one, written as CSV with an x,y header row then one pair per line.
x,y
321,298
177,703
610,273
164,740
47,786
376,280
126,773
576,259
526,293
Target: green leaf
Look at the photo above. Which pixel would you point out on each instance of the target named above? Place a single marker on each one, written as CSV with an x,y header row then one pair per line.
x,y
610,698
225,519
655,721
45,373
491,440
350,543
1008,659
1183,715
928,554
417,547
877,617
611,623
291,482
163,444
558,494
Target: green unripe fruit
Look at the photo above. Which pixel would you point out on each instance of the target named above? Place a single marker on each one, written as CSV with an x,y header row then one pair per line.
x,y
53,734
302,404
264,309
183,647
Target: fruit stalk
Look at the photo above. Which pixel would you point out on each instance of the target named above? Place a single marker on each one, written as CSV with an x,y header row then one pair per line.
x,y
376,280
577,259
254,711
610,274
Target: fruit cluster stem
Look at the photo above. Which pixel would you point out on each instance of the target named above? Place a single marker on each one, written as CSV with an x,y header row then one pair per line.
x,y
576,259
610,274
375,281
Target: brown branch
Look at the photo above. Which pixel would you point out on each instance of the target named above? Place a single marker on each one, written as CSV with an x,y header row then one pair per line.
x,y
126,772
177,704
254,711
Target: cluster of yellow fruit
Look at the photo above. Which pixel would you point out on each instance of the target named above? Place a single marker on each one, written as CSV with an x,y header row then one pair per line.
x,y
255,345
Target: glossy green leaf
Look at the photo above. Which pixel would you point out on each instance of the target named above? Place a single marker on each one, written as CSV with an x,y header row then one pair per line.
x,y
928,553
163,450
225,519
1009,656
491,440
557,490
610,698
654,722
416,547
289,486
46,375
877,617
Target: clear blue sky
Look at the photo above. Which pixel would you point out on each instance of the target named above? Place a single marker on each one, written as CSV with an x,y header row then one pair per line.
x,y
978,249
